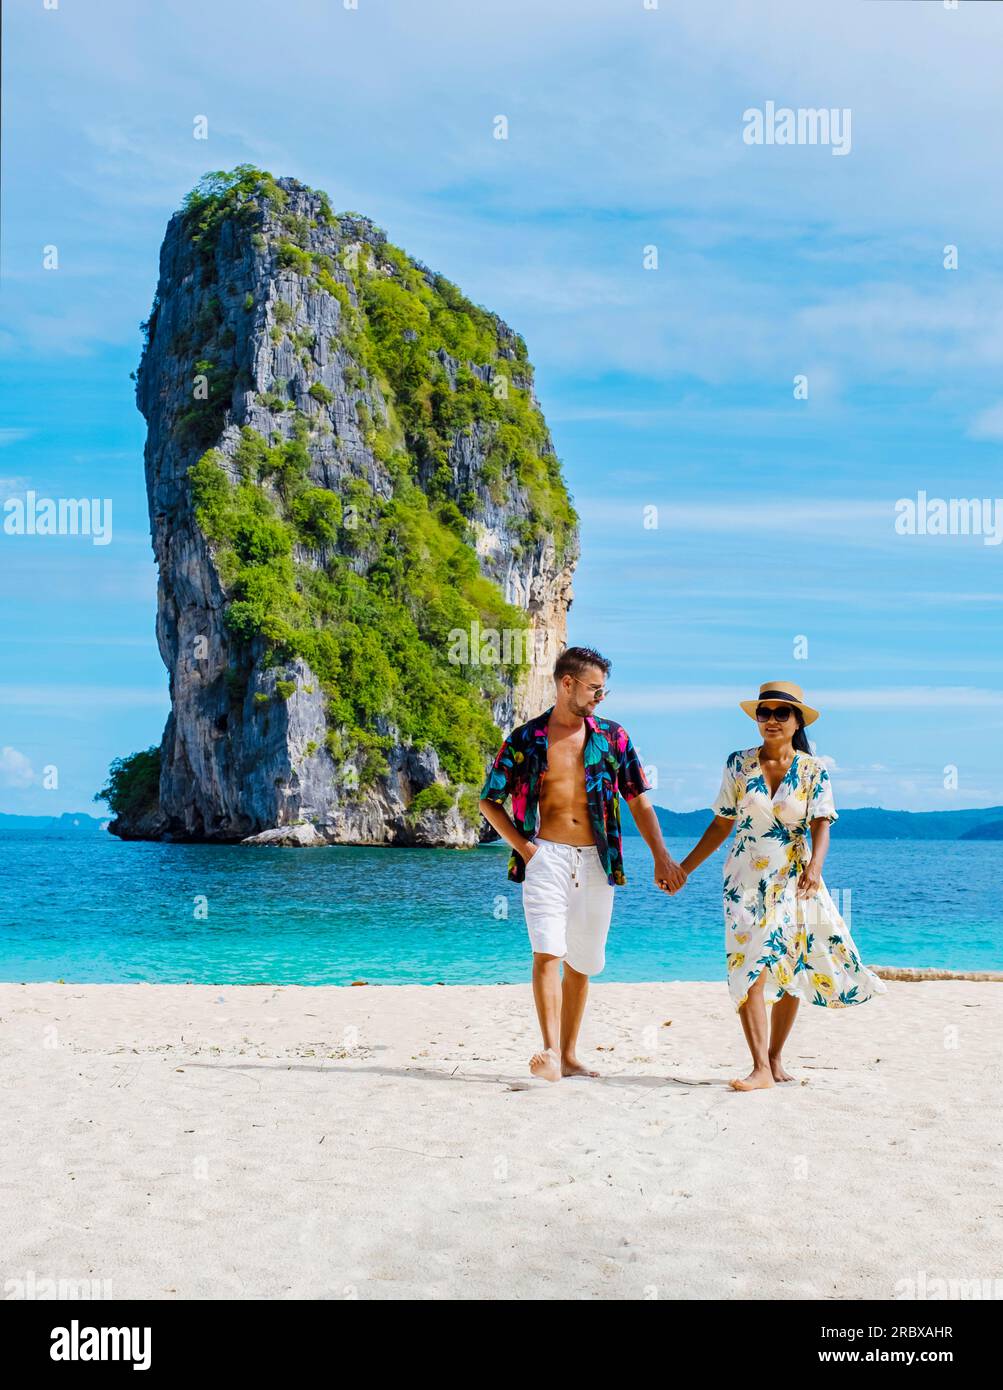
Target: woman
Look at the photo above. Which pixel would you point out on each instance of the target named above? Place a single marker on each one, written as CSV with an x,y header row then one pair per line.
x,y
784,938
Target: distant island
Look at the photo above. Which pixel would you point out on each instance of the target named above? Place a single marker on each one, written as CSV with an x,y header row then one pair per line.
x,y
70,822
864,823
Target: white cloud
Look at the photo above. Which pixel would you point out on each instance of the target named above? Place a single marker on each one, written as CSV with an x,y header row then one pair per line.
x,y
745,517
15,769
988,424
916,697
73,699
669,698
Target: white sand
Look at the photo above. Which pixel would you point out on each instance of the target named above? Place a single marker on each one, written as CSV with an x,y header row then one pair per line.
x,y
218,1142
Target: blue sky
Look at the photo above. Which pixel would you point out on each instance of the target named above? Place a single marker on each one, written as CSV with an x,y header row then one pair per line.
x,y
671,388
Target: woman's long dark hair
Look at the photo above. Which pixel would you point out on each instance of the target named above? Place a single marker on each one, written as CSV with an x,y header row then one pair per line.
x,y
800,739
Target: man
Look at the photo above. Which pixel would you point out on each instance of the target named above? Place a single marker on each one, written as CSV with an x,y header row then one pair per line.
x,y
566,769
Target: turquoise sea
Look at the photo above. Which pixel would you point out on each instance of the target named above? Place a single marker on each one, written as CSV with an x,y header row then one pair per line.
x,y
93,909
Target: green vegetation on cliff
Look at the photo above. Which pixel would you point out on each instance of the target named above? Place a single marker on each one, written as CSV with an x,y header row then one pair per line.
x,y
398,321
398,332
133,784
377,641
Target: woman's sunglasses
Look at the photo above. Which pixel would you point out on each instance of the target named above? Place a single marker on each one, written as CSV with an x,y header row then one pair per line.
x,y
778,712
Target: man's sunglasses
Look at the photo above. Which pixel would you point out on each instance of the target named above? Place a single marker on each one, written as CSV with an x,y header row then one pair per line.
x,y
598,692
778,712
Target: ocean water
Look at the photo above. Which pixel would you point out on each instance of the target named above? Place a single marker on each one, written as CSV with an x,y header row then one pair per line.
x,y
95,909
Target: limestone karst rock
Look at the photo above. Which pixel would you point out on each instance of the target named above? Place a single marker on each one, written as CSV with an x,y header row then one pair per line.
x,y
361,529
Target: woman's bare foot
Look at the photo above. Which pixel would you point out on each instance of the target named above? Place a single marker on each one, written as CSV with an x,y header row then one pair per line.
x,y
776,1067
759,1079
570,1066
546,1065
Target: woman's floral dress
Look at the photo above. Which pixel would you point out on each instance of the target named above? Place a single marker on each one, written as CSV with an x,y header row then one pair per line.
x,y
802,943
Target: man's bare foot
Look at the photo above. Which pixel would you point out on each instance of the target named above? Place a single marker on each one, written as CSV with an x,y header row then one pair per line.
x,y
570,1066
546,1065
776,1067
759,1079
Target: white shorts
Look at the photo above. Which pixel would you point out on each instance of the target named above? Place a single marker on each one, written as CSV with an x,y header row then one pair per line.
x,y
568,902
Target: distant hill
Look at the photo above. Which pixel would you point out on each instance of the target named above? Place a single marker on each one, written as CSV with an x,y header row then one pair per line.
x,y
863,823
69,823
991,831
872,823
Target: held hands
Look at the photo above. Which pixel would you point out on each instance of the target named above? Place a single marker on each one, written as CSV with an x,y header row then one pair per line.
x,y
669,876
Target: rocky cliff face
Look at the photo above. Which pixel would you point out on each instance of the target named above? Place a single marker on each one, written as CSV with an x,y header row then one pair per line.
x,y
347,471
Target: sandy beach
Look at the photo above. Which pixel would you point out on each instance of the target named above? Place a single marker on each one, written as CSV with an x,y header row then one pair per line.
x,y
182,1141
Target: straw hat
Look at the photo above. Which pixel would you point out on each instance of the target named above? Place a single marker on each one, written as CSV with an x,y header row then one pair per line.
x,y
787,691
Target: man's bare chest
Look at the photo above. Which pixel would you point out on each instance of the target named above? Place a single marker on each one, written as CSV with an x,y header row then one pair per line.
x,y
565,765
